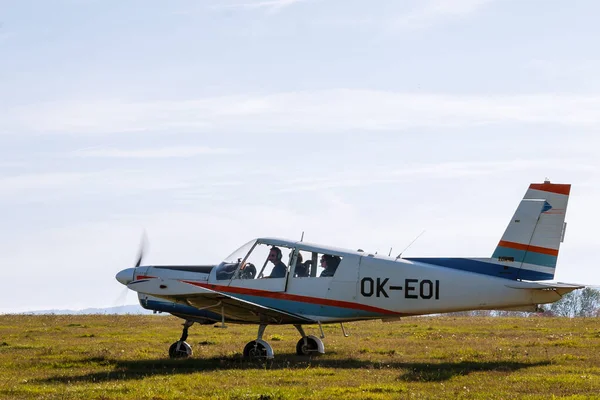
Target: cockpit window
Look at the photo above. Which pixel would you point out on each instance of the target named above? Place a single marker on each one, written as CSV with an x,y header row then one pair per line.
x,y
229,266
314,264
256,260
329,263
266,261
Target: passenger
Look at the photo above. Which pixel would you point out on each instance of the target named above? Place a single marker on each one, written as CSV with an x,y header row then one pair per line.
x,y
302,269
279,269
329,264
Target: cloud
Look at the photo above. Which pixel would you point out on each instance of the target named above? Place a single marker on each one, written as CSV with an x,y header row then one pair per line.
x,y
429,171
21,182
272,6
582,71
164,152
58,185
432,12
336,110
5,36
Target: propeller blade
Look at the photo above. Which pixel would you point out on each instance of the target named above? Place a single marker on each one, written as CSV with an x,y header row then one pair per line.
x,y
143,243
120,301
140,258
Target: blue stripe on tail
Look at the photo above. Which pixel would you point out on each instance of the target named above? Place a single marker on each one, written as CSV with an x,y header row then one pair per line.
x,y
523,256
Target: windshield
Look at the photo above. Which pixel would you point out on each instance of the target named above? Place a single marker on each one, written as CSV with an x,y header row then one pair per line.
x,y
240,253
227,268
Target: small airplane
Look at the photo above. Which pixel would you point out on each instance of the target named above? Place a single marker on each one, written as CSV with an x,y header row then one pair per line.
x,y
270,281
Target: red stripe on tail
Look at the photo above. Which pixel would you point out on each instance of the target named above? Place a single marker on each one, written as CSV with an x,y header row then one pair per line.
x,y
526,247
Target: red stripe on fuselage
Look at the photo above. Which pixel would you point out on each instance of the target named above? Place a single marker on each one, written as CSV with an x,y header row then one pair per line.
x,y
526,247
139,277
292,297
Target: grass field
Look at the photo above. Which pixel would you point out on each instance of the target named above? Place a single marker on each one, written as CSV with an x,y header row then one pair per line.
x,y
114,357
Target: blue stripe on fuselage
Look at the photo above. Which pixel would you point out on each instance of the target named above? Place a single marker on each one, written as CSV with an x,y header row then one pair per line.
x,y
485,268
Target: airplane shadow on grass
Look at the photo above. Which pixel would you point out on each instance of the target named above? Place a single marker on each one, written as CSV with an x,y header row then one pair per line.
x,y
412,371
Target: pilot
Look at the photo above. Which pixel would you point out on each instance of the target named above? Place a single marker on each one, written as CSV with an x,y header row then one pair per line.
x,y
329,264
279,269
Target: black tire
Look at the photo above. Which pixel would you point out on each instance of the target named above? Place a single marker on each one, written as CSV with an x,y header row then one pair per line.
x,y
255,351
310,348
184,351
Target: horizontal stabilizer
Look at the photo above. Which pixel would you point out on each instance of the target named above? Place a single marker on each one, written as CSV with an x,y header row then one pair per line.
x,y
561,288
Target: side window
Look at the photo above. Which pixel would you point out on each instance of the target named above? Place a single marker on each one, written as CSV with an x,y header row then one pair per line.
x,y
329,264
265,261
303,265
313,264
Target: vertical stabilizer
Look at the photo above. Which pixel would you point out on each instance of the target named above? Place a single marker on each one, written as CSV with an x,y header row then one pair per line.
x,y
533,236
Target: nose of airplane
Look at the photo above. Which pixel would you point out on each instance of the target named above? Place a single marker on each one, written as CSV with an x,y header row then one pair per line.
x,y
125,276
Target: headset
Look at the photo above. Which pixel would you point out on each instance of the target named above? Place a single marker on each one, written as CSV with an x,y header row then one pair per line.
x,y
277,250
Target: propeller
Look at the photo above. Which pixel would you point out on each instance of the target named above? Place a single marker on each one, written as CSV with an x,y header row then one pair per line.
x,y
143,245
127,275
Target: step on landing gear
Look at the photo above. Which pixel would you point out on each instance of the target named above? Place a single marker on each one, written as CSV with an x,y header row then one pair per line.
x,y
180,349
258,350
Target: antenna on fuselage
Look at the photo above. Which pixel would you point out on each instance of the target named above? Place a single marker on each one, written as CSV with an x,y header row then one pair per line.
x,y
390,253
302,237
410,244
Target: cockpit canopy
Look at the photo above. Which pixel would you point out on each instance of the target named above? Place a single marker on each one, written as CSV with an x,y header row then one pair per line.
x,y
272,258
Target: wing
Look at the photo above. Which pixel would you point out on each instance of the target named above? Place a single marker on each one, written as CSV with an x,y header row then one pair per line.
x,y
195,294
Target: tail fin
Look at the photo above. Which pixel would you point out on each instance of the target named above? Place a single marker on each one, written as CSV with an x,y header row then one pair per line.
x,y
533,236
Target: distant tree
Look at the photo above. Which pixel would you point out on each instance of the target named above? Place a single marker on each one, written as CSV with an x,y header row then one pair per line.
x,y
565,307
579,303
589,302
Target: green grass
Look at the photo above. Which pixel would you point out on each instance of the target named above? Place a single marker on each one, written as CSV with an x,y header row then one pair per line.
x,y
125,357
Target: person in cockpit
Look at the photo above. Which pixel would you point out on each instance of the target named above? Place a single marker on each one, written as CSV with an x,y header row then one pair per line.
x,y
279,270
329,264
302,269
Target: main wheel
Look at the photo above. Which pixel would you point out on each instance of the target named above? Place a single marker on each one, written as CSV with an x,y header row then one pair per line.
x,y
180,349
255,351
311,347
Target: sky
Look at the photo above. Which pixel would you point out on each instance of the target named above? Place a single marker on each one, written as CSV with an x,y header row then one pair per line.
x,y
211,122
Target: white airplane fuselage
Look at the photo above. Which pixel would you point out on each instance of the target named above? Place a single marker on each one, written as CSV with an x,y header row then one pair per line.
x,y
365,286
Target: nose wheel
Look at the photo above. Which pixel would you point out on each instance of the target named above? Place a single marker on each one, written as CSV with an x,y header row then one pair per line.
x,y
180,349
255,350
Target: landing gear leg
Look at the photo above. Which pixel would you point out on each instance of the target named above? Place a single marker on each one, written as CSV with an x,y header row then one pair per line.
x,y
308,345
258,349
180,349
